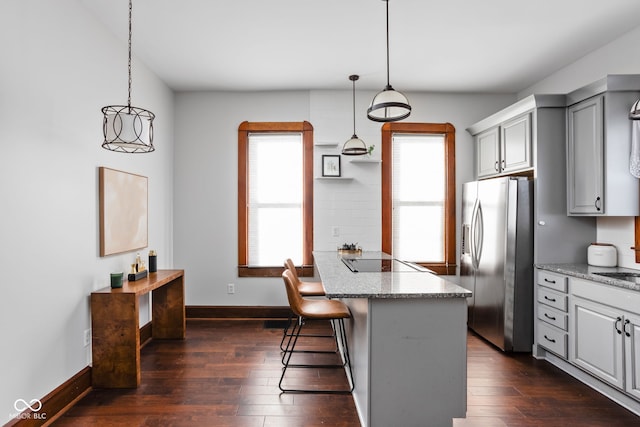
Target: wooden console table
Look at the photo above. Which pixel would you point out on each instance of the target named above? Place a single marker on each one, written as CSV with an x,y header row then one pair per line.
x,y
115,315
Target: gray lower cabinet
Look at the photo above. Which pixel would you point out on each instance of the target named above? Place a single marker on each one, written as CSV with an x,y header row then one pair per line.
x,y
604,331
551,312
632,355
596,341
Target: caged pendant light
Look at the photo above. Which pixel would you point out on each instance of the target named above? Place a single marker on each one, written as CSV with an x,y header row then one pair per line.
x,y
354,146
388,105
128,129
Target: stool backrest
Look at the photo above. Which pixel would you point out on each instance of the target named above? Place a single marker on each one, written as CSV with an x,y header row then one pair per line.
x,y
294,297
288,265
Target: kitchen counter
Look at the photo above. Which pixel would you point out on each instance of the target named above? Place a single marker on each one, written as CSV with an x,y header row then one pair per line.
x,y
340,282
585,271
407,340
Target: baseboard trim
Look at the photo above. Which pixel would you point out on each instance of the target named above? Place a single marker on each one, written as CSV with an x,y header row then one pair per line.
x,y
57,402
146,333
236,312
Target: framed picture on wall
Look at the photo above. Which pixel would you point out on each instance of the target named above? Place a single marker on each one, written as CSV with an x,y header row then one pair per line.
x,y
123,211
330,165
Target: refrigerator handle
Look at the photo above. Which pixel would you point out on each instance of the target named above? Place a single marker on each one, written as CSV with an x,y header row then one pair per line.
x,y
472,235
479,234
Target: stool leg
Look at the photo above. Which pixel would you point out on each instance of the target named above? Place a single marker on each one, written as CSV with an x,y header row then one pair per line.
x,y
334,336
347,356
286,360
286,329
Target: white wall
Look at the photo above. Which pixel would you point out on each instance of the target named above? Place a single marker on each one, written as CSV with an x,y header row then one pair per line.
x,y
206,177
59,68
622,56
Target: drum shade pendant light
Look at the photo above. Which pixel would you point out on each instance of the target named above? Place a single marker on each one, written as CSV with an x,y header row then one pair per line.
x,y
128,129
634,114
388,105
354,146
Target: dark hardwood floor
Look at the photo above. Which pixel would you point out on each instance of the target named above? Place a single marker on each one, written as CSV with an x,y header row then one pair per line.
x,y
226,374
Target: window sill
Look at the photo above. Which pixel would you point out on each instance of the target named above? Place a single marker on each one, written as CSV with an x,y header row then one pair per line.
x,y
248,271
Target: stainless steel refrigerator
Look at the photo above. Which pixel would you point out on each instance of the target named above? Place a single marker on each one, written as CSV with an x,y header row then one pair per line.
x,y
497,260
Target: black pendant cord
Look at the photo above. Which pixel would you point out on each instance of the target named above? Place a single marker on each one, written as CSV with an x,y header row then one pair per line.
x,y
353,80
129,66
387,2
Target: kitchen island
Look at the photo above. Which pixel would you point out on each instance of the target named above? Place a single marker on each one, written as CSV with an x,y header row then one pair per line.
x,y
407,341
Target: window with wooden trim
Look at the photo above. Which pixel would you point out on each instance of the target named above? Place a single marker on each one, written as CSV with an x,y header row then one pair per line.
x,y
275,197
419,195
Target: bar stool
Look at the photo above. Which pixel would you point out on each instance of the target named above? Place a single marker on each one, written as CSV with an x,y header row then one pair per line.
x,y
315,309
306,289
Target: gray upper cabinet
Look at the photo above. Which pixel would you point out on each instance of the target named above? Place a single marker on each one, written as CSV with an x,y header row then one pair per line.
x,y
505,148
488,152
585,142
598,147
515,144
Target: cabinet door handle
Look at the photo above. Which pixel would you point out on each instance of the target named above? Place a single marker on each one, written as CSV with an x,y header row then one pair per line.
x,y
549,281
504,164
496,167
549,317
549,339
598,203
626,332
615,325
549,299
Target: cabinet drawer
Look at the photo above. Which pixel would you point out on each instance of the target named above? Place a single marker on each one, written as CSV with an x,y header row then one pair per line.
x,y
552,316
552,280
552,298
552,339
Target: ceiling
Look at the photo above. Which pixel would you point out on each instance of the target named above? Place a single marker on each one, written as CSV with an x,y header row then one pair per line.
x,y
500,46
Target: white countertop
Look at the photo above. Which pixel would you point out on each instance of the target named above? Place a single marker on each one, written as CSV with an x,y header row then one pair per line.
x,y
340,282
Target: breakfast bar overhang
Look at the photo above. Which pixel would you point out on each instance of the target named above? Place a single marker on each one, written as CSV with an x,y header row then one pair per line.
x,y
407,340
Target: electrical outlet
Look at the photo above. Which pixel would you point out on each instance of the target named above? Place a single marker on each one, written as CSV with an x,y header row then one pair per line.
x,y
87,337
231,288
335,231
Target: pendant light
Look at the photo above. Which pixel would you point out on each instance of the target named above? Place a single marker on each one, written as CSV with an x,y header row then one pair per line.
x,y
354,146
128,129
388,105
634,114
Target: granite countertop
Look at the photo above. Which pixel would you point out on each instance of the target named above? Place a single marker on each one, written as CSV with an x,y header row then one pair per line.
x,y
340,282
585,271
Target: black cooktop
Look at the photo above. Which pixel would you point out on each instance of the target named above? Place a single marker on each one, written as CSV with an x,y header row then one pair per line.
x,y
370,265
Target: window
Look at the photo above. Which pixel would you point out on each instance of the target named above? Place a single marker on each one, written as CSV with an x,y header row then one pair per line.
x,y
275,197
418,194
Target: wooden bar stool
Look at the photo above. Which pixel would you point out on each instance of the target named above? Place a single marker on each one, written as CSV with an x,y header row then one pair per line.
x,y
315,309
306,289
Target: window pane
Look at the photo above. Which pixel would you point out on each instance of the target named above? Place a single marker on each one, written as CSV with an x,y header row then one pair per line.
x,y
418,167
418,233
276,234
275,168
275,198
419,190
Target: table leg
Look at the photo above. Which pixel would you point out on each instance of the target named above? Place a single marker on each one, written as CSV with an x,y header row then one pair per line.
x,y
168,312
115,340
